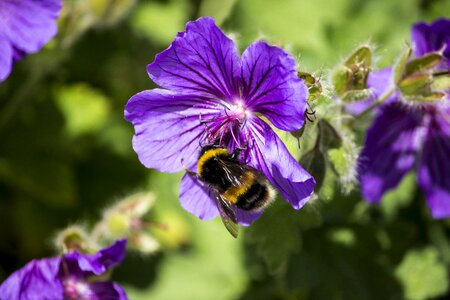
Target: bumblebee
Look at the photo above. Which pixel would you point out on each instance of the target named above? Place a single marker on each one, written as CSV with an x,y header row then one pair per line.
x,y
234,185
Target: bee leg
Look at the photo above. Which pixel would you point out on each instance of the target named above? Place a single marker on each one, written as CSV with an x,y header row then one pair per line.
x,y
192,173
237,151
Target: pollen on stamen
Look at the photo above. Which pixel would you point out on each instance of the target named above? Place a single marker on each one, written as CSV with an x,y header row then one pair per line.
x,y
239,111
75,289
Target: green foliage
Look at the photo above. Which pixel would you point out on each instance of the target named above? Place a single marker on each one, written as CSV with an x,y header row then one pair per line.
x,y
211,269
160,22
397,198
219,10
422,274
314,162
276,236
85,109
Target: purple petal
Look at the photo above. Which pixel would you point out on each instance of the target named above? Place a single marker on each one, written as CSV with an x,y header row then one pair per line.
x,y
390,149
271,86
268,154
105,290
379,82
433,171
25,27
434,37
29,24
121,292
36,280
97,263
196,198
201,59
6,58
246,218
168,127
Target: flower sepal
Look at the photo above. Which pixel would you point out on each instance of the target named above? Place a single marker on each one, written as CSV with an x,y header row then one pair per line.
x,y
416,80
424,63
313,84
441,82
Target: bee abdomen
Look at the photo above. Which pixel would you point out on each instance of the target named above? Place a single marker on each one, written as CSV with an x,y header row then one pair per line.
x,y
257,197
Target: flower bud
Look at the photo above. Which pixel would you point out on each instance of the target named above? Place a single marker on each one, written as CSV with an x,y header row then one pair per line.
x,y
350,78
125,219
415,78
74,238
143,243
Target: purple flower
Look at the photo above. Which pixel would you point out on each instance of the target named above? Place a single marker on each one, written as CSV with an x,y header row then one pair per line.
x,y
405,135
211,94
25,27
71,276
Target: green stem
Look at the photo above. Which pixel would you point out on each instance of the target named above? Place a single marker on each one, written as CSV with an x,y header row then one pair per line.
x,y
377,103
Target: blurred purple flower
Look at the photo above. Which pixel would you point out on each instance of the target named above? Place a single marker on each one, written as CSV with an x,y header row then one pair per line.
x,y
211,94
404,135
71,276
25,27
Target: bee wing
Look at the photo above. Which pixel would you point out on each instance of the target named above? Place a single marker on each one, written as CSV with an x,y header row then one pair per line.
x,y
228,215
233,171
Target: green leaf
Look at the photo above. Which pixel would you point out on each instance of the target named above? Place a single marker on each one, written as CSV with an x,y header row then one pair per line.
x,y
276,235
422,274
314,162
395,199
337,157
329,136
85,109
219,10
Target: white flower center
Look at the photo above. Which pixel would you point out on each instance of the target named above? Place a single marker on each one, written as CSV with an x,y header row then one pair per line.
x,y
75,289
239,111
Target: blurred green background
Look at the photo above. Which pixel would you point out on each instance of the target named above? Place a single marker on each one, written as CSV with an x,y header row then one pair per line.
x,y
65,155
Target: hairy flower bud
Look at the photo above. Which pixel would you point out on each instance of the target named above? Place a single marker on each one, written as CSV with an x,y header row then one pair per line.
x,y
350,78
